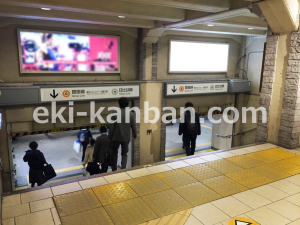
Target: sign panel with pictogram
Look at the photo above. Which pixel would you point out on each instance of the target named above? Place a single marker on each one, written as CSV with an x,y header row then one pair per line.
x,y
89,93
179,89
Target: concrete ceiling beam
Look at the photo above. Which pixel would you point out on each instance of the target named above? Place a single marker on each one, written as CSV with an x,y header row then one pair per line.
x,y
104,7
198,5
241,22
209,18
86,28
282,15
154,33
222,30
38,14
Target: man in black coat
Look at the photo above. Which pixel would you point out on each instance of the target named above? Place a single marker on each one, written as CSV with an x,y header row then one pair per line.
x,y
36,162
101,149
190,128
119,134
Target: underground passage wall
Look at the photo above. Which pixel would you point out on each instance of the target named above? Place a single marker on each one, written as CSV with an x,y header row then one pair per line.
x,y
9,54
147,65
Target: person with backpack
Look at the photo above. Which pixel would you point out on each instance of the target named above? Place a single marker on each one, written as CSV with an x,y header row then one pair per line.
x,y
84,136
36,162
190,128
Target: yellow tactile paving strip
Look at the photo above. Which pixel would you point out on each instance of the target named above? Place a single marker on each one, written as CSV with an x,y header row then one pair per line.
x,y
114,193
147,185
201,172
224,186
245,161
134,211
76,202
176,178
224,166
197,193
96,216
174,219
166,194
295,160
249,178
166,202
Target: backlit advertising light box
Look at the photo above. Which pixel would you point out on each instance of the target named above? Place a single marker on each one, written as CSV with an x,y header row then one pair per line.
x,y
54,52
198,57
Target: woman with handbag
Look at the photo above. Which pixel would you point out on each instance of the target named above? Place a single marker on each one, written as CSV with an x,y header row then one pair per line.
x,y
88,161
36,162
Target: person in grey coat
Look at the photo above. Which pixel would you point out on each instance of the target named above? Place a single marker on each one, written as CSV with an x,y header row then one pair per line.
x,y
119,134
101,149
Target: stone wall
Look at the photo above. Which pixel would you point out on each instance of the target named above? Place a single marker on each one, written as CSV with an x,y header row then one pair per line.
x,y
141,56
154,60
136,142
163,129
267,85
290,119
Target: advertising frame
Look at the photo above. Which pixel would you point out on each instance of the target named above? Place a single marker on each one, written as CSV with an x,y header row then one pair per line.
x,y
195,72
66,72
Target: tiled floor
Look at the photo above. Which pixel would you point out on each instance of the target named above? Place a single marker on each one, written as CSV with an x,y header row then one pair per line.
x,y
259,182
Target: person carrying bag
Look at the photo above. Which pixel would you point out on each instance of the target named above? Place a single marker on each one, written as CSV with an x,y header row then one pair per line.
x,y
91,165
36,162
101,150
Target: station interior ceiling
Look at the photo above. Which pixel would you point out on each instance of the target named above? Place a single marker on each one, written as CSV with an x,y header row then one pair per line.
x,y
158,17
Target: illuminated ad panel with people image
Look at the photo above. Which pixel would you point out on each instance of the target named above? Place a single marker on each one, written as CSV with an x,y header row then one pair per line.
x,y
43,51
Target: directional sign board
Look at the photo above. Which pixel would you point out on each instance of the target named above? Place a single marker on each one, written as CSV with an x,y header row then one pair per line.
x,y
242,221
89,93
178,89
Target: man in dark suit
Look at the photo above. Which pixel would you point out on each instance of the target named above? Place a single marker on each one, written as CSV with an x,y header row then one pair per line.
x,y
190,128
119,134
101,149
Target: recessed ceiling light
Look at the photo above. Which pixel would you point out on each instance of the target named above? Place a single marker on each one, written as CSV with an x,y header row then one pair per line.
x,y
250,28
122,17
210,25
45,8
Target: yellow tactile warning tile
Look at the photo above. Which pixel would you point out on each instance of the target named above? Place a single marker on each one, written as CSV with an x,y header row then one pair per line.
x,y
295,160
286,166
175,219
249,178
265,156
76,202
197,193
176,178
130,212
147,185
270,173
166,202
201,172
280,153
245,161
96,216
224,166
224,185
114,193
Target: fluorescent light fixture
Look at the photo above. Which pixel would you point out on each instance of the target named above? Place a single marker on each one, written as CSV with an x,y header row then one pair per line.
x,y
250,28
45,8
122,17
210,25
